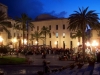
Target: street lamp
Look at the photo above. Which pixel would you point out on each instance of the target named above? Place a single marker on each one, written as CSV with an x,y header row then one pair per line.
x,y
1,40
36,42
14,40
56,44
78,43
94,45
24,41
87,44
88,49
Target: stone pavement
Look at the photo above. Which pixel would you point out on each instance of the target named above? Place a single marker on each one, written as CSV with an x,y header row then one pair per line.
x,y
85,70
53,59
34,67
37,60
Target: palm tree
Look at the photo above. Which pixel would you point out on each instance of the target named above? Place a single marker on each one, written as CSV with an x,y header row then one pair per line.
x,y
36,36
23,23
77,34
88,35
4,23
45,31
80,21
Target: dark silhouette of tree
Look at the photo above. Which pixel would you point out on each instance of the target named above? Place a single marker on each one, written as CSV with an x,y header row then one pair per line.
x,y
23,23
80,20
45,31
5,23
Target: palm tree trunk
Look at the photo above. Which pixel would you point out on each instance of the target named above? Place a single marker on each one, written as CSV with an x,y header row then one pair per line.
x,y
83,41
27,37
45,39
23,37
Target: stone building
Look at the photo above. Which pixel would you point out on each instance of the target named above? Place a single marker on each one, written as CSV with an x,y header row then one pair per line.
x,y
58,38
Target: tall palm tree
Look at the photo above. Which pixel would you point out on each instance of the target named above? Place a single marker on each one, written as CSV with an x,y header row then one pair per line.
x,y
36,36
4,23
80,20
45,31
88,35
77,34
23,23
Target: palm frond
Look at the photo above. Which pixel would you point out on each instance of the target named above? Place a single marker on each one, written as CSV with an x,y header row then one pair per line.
x,y
6,23
9,34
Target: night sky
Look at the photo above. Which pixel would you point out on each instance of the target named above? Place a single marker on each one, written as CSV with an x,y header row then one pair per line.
x,y
58,8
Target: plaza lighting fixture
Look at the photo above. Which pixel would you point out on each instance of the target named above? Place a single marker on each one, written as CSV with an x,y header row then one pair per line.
x,y
78,43
87,44
94,43
55,42
25,42
36,42
1,39
14,40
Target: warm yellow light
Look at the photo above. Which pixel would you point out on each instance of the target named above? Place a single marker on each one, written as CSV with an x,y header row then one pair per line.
x,y
78,43
94,43
1,39
55,42
87,44
14,40
25,41
36,42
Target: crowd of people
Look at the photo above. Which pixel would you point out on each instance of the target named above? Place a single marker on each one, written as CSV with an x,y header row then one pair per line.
x,y
68,53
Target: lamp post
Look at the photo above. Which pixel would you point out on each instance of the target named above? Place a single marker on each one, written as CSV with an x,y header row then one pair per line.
x,y
24,42
88,47
78,49
94,45
56,43
14,40
1,40
78,43
36,44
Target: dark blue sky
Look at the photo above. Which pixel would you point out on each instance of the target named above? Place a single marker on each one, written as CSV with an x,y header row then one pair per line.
x,y
58,8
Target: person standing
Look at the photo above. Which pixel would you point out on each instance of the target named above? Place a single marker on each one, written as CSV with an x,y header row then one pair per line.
x,y
45,67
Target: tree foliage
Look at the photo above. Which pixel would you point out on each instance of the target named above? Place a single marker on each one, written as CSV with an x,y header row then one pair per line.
x,y
4,23
80,20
